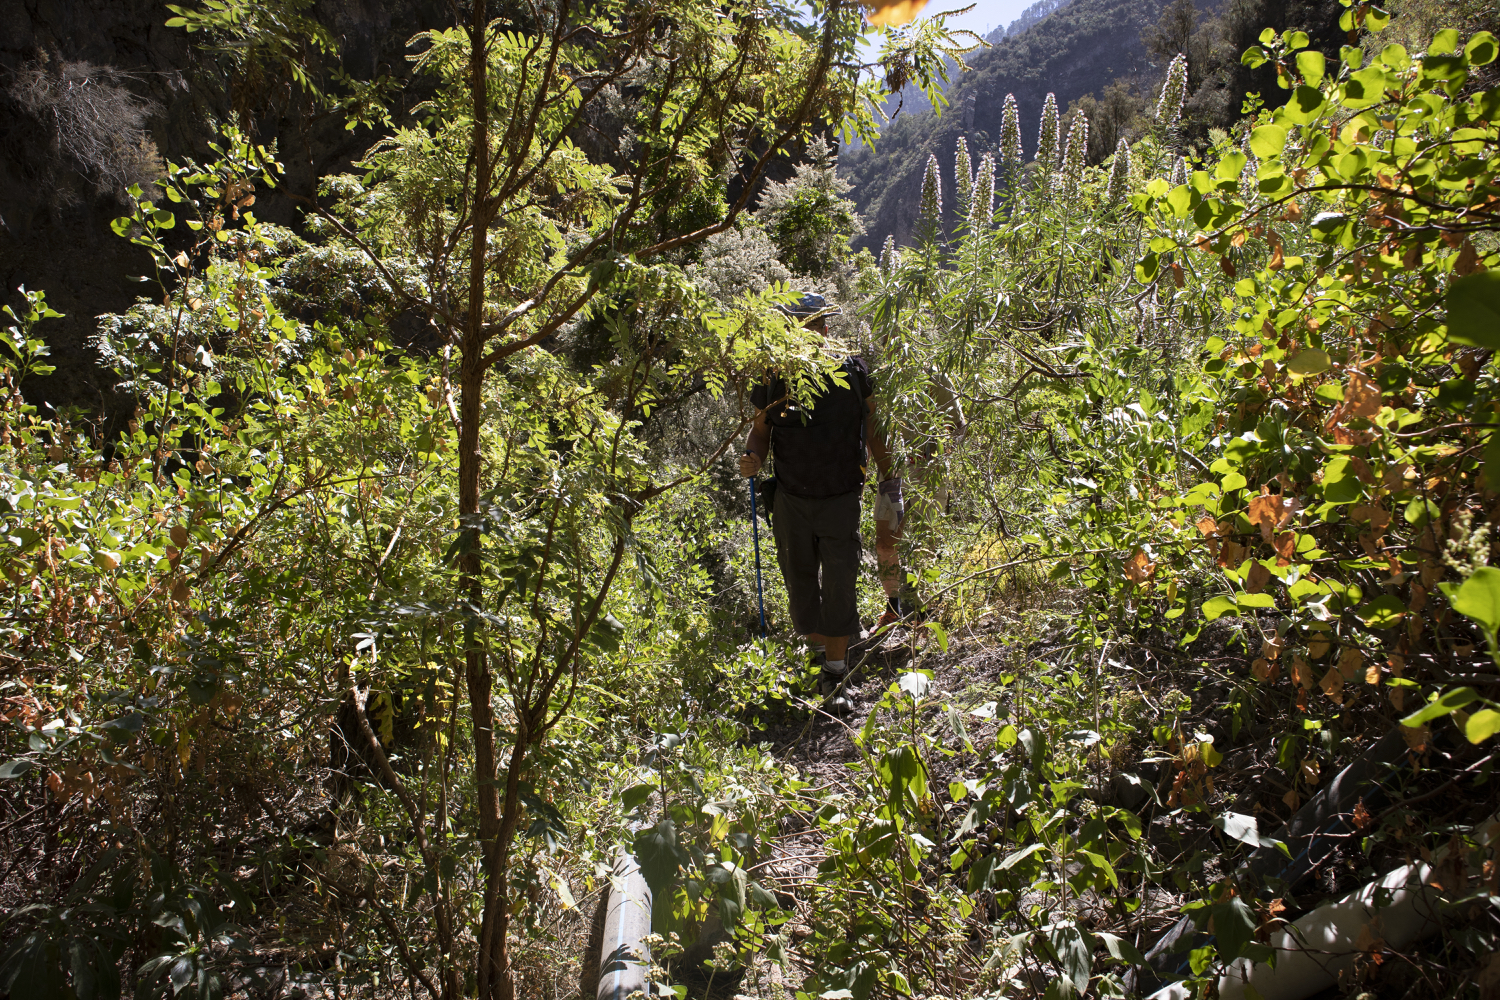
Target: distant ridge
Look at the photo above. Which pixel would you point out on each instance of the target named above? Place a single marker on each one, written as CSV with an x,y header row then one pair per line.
x,y
1069,47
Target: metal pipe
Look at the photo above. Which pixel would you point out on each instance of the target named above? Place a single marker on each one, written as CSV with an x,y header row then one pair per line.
x,y
624,958
1307,836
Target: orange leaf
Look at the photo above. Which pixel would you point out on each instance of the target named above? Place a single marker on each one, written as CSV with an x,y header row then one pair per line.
x,y
1286,546
1207,525
1333,685
1258,578
885,13
1137,569
1468,260
1265,511
1415,736
1350,660
1379,519
1302,672
1232,554
179,536
1361,396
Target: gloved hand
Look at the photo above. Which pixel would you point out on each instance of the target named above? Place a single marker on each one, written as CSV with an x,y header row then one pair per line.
x,y
889,506
750,464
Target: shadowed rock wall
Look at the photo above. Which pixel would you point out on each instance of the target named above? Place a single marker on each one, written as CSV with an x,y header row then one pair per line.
x,y
55,206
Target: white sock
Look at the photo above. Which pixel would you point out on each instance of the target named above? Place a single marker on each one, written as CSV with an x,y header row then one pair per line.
x,y
839,667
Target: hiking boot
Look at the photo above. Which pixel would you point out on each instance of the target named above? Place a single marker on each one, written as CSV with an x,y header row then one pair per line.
x,y
898,610
835,691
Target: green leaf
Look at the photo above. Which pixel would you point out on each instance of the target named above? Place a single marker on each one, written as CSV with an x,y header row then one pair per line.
x,y
1482,725
916,683
1473,305
1479,598
1234,927
1444,41
121,226
1218,607
1383,612
1145,271
633,796
1305,105
1245,829
1364,88
1376,19
1011,860
1268,140
14,769
1340,484
1418,512
1232,481
1312,66
660,856
940,634
1121,950
1481,49
1261,600
1180,200
1254,57
1073,954
1311,361
1445,704
1230,166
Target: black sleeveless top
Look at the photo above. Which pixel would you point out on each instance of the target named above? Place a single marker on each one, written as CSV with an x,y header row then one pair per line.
x,y
819,452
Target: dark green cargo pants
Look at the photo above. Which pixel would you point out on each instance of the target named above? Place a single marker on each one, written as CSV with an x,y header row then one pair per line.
x,y
818,547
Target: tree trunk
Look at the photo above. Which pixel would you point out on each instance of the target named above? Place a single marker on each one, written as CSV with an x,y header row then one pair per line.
x,y
493,961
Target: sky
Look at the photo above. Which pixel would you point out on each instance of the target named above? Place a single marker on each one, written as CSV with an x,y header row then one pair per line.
x,y
986,15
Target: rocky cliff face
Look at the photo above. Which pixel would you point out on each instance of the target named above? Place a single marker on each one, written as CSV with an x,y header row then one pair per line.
x,y
97,93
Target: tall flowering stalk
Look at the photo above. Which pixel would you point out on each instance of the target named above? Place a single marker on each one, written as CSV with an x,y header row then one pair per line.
x,y
1010,146
930,209
1010,132
982,208
890,257
1173,93
1046,143
963,175
1249,184
1119,176
1179,172
1076,155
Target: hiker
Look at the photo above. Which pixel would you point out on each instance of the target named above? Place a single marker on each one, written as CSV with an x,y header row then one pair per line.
x,y
820,476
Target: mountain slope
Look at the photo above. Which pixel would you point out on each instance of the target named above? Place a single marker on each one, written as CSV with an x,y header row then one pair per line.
x,y
1074,51
1087,48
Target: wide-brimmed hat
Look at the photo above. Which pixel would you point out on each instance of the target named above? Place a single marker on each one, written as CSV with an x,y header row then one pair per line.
x,y
810,306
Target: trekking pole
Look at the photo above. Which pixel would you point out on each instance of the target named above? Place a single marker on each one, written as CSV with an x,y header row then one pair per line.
x,y
755,532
